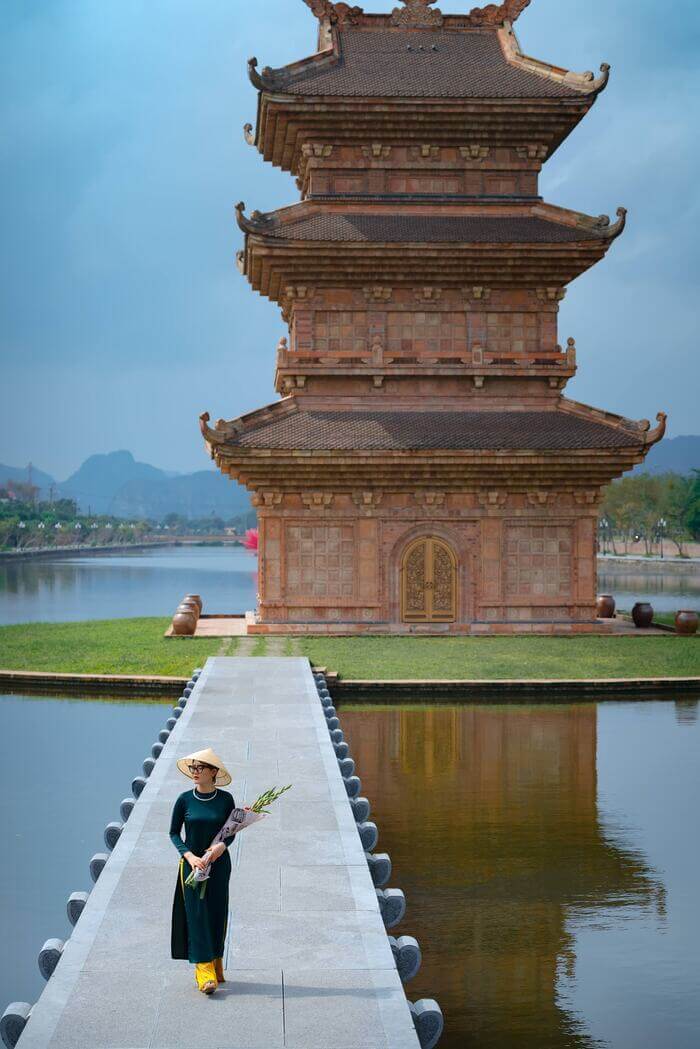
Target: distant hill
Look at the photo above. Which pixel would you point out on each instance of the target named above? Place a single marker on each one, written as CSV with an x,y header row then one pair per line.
x,y
677,454
118,484
20,474
191,495
101,477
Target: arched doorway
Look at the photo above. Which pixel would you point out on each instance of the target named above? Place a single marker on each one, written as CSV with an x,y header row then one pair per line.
x,y
428,582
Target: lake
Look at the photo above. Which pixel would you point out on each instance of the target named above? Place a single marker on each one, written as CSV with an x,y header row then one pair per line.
x,y
152,582
549,855
66,765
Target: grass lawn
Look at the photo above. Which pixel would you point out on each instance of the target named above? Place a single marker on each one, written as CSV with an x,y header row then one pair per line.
x,y
137,646
378,658
106,646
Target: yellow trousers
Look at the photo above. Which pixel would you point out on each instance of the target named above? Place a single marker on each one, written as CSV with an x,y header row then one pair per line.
x,y
205,971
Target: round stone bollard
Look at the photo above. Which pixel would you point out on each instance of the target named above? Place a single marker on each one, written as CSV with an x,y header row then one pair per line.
x,y
428,1021
182,701
392,906
187,691
346,766
326,702
97,864
330,712
148,767
164,735
49,957
177,712
353,786
407,956
333,723
156,750
125,808
171,723
137,785
337,735
12,1023
379,868
112,834
360,809
342,750
76,905
369,835
196,672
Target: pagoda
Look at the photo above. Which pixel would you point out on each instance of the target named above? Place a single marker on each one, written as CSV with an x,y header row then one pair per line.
x,y
422,470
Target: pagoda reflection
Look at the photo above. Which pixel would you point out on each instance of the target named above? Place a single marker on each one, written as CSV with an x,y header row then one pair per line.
x,y
491,819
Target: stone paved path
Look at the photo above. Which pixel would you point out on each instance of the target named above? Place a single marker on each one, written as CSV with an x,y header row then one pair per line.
x,y
308,962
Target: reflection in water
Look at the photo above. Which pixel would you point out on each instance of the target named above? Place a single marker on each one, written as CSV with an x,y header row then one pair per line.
x,y
667,591
512,851
142,583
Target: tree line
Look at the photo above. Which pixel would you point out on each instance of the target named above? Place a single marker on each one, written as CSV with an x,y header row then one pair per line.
x,y
649,508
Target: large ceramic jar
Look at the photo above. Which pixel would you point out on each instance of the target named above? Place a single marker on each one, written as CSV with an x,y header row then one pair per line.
x,y
605,606
686,621
184,623
196,598
188,603
642,614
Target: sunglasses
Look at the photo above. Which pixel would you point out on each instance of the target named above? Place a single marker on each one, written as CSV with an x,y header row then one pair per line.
x,y
199,768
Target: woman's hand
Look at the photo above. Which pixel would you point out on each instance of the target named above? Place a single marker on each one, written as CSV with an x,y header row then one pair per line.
x,y
195,861
216,850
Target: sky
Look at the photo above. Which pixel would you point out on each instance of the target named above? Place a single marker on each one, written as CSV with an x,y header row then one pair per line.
x,y
122,313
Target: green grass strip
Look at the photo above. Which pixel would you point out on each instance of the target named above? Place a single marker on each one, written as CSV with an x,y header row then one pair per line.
x,y
105,646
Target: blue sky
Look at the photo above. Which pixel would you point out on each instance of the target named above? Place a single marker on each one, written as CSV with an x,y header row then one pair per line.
x,y
123,315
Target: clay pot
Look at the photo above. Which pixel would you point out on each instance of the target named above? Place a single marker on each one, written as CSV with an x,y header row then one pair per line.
x,y
189,604
686,621
605,606
184,623
194,597
642,614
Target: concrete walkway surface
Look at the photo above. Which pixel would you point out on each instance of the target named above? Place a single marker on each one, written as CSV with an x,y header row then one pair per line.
x,y
308,963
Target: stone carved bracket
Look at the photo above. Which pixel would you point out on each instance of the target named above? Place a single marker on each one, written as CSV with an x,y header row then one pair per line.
x,y
477,294
377,293
550,294
430,500
585,497
317,500
541,497
266,498
428,294
426,151
533,151
367,500
493,497
376,151
316,149
474,151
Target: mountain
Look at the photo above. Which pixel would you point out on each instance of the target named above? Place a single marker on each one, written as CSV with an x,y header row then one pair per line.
x,y
20,474
95,484
191,495
677,454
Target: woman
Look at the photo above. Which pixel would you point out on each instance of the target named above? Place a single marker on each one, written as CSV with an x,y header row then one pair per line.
x,y
198,930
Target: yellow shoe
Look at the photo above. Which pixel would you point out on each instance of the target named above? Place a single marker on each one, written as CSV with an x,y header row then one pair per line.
x,y
219,969
205,974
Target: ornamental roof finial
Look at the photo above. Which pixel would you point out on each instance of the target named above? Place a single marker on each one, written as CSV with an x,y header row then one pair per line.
x,y
337,14
416,14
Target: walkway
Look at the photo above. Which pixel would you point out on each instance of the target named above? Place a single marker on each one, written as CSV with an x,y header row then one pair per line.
x,y
308,961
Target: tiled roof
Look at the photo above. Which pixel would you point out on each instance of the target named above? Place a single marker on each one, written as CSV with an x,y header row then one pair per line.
x,y
421,64
411,430
416,228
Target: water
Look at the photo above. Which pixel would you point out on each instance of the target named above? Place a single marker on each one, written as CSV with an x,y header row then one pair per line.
x,y
142,583
66,765
151,583
667,591
549,855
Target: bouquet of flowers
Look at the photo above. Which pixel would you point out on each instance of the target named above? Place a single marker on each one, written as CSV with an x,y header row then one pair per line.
x,y
237,820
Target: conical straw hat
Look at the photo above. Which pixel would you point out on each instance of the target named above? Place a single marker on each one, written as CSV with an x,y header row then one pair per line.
x,y
208,757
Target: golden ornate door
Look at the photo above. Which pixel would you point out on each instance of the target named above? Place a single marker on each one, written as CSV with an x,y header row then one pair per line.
x,y
428,582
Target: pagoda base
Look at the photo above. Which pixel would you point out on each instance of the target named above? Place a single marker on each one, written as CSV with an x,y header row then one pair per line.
x,y
545,628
